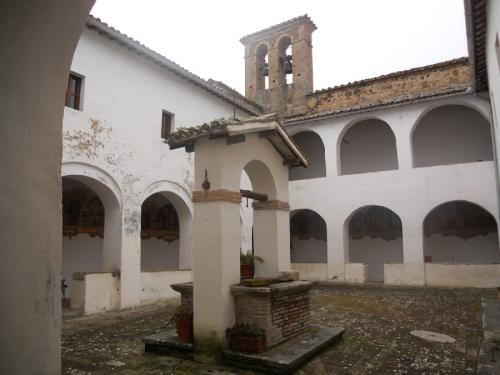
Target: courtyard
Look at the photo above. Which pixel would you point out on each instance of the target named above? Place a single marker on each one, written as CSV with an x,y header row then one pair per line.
x,y
378,320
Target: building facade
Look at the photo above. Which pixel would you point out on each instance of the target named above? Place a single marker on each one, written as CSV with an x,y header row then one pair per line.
x,y
402,186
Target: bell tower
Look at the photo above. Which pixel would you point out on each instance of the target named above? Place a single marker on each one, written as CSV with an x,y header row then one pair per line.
x,y
278,65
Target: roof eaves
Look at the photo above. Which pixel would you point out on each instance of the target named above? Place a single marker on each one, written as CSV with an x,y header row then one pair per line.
x,y
449,92
280,26
459,60
113,34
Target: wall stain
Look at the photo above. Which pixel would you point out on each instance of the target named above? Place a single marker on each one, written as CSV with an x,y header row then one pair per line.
x,y
83,143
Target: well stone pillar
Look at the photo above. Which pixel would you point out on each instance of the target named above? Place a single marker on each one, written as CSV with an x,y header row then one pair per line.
x,y
216,263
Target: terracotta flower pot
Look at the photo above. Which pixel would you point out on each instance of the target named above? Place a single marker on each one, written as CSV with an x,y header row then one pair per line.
x,y
246,271
251,345
184,328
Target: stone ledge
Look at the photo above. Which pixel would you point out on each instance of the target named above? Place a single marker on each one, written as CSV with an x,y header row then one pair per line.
x,y
274,289
166,342
219,195
289,356
183,288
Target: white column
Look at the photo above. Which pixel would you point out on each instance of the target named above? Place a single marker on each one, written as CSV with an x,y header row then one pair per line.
x,y
413,272
130,257
216,266
338,249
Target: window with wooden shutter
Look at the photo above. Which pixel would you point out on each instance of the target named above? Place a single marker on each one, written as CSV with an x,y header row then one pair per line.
x,y
73,92
167,120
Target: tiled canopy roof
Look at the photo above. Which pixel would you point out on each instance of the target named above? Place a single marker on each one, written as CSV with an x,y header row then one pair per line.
x,y
231,129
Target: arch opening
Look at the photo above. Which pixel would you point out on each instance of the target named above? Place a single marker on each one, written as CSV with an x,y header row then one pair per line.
x,y
312,144
368,146
165,232
83,232
258,234
451,134
285,62
308,237
375,238
461,232
262,68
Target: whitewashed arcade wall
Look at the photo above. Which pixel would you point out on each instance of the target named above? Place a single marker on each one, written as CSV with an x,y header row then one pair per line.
x,y
410,192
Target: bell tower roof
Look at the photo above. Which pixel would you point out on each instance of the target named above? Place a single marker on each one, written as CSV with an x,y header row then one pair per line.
x,y
278,28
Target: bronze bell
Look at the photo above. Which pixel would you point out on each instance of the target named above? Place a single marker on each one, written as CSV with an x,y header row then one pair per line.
x,y
265,69
288,64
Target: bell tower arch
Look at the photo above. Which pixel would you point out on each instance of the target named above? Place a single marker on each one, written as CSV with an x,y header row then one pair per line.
x,y
282,56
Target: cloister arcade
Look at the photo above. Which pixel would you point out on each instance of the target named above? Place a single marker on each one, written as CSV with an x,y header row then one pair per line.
x,y
398,221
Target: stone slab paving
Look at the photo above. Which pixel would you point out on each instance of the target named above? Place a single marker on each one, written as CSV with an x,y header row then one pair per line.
x,y
489,355
290,355
377,340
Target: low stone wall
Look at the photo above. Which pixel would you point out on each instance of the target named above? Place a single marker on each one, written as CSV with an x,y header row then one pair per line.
x,y
281,310
404,274
95,292
355,273
463,275
311,271
155,285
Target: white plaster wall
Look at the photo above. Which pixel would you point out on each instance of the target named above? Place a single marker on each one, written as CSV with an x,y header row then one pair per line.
x,y
159,254
375,252
311,271
452,249
463,275
404,274
81,253
308,251
101,293
410,192
356,273
155,285
451,134
118,133
371,147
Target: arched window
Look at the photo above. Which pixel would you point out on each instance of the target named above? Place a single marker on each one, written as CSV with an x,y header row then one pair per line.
x,y
308,237
460,232
375,238
451,134
285,55
262,68
368,146
313,147
83,231
165,232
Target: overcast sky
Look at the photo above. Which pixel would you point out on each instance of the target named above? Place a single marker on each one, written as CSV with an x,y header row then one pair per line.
x,y
355,39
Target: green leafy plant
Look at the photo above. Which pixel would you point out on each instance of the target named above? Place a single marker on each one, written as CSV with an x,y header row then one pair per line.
x,y
248,258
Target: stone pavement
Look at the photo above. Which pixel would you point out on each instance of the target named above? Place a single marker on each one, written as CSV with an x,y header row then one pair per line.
x,y
378,321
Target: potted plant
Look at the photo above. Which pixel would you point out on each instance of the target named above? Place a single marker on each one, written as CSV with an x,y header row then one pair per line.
x,y
183,318
247,260
246,338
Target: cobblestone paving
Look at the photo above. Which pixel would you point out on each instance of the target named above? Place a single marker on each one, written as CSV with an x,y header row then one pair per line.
x,y
378,321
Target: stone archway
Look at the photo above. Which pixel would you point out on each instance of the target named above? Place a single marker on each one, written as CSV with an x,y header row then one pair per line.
x,y
451,134
375,237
